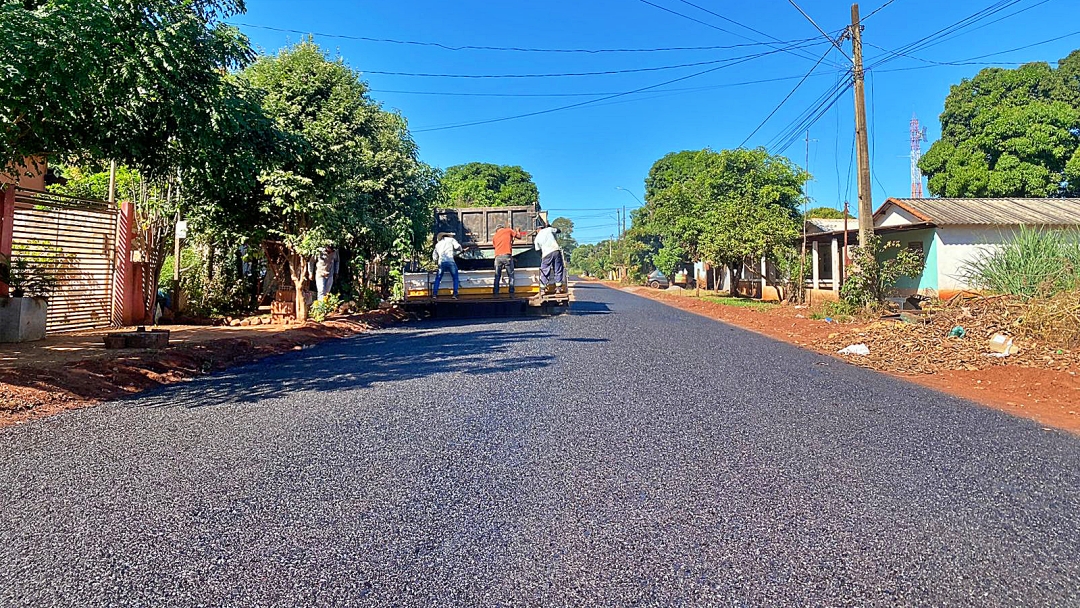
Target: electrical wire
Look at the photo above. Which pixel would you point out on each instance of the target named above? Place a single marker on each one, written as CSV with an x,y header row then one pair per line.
x,y
592,101
818,28
470,47
742,25
801,122
595,94
553,75
987,24
785,99
971,60
948,30
875,11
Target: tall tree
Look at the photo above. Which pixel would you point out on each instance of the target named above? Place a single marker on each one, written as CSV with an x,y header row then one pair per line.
x,y
721,207
352,177
129,80
489,185
1010,133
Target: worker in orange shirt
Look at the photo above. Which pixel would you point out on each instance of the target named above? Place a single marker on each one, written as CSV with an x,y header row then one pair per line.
x,y
504,254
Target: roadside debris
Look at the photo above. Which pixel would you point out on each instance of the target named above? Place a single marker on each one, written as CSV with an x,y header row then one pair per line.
x,y
1002,345
934,346
855,349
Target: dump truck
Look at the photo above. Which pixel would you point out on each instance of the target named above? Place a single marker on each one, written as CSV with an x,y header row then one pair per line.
x,y
475,228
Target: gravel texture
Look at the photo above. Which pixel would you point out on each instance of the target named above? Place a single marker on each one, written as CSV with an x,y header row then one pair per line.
x,y
624,454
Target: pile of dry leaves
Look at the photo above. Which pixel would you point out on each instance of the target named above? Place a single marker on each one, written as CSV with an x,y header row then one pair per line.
x,y
928,341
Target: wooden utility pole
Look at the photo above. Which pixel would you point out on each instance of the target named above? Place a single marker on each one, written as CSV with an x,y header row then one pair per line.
x,y
802,258
862,147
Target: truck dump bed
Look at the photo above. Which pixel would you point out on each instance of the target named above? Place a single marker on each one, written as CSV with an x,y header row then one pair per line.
x,y
475,229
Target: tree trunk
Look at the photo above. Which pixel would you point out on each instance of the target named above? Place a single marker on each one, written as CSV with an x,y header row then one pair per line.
x,y
298,270
735,271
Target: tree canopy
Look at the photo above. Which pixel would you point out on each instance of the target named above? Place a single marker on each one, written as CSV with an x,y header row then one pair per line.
x,y
827,213
720,207
489,185
1010,133
566,234
131,80
352,176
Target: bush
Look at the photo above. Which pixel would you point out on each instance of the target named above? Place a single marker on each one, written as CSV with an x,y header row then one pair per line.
x,y
872,279
1033,263
320,309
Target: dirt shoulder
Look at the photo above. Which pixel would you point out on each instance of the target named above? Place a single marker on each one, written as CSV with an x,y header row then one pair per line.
x,y
75,370
1042,384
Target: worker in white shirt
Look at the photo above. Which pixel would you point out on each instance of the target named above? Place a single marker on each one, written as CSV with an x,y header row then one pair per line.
x,y
443,255
552,270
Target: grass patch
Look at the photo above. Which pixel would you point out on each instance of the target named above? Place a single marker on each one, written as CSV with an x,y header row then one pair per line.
x,y
740,302
1032,263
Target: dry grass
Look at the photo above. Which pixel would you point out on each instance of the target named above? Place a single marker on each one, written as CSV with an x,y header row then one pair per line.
x,y
1043,334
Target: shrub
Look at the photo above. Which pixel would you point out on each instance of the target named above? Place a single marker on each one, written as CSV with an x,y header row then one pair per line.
x,y
1032,263
320,309
871,278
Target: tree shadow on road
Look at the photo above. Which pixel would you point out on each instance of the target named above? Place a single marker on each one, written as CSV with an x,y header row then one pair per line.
x,y
390,356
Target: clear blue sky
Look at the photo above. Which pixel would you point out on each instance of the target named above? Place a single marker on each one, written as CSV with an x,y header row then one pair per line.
x,y
579,156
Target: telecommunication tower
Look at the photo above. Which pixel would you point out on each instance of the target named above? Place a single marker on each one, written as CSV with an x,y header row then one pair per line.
x,y
918,135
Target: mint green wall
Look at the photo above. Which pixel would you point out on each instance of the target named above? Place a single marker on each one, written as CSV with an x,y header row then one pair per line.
x,y
929,278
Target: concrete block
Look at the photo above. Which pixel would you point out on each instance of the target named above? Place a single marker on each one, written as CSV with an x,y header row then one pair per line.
x,y
22,319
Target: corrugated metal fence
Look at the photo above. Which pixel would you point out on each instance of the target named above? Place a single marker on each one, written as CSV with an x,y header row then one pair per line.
x,y
73,240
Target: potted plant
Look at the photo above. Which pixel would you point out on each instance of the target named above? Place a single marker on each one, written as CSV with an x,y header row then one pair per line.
x,y
23,312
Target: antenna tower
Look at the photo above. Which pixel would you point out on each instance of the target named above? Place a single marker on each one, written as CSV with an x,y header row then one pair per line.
x,y
918,135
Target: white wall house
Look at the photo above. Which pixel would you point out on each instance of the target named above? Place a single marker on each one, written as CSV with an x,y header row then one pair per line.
x,y
949,232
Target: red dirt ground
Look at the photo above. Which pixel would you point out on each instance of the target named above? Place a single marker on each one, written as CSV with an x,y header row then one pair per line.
x,y
1049,396
74,370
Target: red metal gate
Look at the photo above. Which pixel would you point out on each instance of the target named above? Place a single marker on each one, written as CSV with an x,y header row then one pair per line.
x,y
73,240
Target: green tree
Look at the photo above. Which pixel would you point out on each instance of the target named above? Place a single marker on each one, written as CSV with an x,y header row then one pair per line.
x,y
722,207
827,213
130,80
566,234
352,177
1010,133
489,185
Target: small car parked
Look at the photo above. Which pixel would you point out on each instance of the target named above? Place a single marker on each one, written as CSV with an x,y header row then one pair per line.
x,y
657,280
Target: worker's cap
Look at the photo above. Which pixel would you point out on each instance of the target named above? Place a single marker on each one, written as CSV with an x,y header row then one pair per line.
x,y
443,235
500,226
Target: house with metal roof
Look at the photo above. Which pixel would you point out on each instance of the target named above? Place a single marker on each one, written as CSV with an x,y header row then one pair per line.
x,y
949,232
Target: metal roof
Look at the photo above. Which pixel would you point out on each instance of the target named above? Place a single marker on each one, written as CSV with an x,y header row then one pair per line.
x,y
818,224
991,211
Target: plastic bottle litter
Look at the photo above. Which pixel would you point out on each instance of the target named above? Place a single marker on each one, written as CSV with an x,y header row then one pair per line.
x,y
957,332
828,320
855,349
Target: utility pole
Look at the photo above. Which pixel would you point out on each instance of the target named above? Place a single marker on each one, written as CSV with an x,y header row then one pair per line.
x,y
862,147
624,220
802,258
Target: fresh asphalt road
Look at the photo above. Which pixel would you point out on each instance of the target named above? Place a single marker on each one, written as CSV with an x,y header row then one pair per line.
x,y
625,454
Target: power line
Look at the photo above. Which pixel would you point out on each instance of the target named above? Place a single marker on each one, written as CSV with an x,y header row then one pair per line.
x,y
592,101
470,47
971,60
594,94
951,29
875,11
553,75
818,28
785,99
987,24
742,25
688,17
